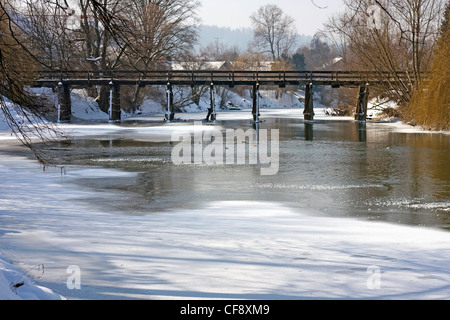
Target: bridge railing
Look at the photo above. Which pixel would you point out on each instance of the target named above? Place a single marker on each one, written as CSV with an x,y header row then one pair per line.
x,y
204,76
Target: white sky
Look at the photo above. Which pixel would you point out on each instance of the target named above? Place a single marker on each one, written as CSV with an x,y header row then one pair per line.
x,y
235,13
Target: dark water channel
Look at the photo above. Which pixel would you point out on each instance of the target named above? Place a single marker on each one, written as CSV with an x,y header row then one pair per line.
x,y
332,167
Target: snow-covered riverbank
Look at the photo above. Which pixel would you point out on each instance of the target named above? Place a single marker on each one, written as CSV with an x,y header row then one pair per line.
x,y
16,284
223,250
227,250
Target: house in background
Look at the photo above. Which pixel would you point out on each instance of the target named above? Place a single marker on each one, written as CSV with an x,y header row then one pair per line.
x,y
256,65
201,65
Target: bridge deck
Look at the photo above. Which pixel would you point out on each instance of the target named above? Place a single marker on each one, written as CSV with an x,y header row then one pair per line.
x,y
256,79
224,78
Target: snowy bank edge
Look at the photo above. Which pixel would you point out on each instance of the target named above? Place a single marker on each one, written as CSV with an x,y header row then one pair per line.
x,y
16,285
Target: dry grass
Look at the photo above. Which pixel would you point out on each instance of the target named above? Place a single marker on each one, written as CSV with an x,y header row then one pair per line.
x,y
430,105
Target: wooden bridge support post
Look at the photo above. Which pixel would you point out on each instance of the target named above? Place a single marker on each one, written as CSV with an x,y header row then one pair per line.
x,y
115,112
170,114
212,116
308,113
363,101
255,98
64,103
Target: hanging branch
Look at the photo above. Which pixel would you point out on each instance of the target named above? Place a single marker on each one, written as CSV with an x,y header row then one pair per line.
x,y
17,65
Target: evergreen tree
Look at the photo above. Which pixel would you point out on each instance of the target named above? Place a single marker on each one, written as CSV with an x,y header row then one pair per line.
x,y
299,61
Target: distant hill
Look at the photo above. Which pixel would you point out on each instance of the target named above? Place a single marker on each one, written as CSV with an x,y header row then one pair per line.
x,y
233,37
230,37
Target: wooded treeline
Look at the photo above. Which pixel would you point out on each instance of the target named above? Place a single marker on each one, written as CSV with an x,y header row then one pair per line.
x,y
387,37
398,35
107,35
430,104
104,35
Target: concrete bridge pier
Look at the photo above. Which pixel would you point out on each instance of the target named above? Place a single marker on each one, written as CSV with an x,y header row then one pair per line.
x,y
308,113
363,101
64,103
115,113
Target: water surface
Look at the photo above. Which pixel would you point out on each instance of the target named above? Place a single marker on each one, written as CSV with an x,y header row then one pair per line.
x,y
332,167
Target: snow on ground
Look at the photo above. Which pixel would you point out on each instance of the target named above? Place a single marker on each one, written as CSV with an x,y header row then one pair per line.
x,y
4,127
151,107
399,126
15,284
226,98
83,106
86,108
224,250
376,106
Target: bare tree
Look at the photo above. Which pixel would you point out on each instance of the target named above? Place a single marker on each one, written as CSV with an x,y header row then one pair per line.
x,y
17,68
50,36
274,31
161,29
389,36
158,31
100,48
219,51
318,54
115,34
430,105
446,22
102,45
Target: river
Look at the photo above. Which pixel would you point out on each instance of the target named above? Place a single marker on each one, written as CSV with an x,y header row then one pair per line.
x,y
335,167
349,203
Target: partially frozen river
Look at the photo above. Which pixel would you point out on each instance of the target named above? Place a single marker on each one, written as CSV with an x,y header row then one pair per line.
x,y
334,167
349,202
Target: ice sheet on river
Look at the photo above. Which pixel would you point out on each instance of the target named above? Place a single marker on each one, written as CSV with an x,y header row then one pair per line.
x,y
230,250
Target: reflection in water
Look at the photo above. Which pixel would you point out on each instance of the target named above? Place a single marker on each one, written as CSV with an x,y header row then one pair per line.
x,y
338,168
309,131
362,131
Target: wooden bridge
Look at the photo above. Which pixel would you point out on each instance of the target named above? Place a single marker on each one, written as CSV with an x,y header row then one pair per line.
x,y
256,79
